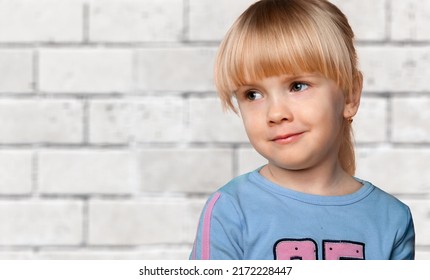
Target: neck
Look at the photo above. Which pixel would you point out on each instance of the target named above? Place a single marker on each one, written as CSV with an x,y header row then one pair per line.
x,y
324,180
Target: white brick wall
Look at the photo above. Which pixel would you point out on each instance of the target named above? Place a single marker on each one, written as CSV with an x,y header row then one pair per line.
x,y
41,223
406,109
143,222
85,172
209,20
370,26
396,169
16,172
207,122
85,70
27,121
371,124
111,134
41,21
390,68
175,69
145,119
16,67
169,170
136,21
411,20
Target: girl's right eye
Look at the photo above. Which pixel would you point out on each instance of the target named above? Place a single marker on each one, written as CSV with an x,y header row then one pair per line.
x,y
253,95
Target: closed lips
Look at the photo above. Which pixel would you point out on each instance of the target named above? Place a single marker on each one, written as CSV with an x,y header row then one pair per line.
x,y
286,136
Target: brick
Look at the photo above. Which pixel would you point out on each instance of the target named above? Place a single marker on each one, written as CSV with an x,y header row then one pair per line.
x,y
398,171
153,119
422,254
395,69
86,70
410,119
167,254
41,21
410,20
175,69
216,17
185,170
35,121
16,70
86,172
16,172
16,255
249,160
38,223
420,212
368,18
370,124
140,222
136,21
208,122
111,254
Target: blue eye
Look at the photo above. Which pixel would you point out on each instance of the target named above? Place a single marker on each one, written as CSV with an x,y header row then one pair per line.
x,y
298,86
253,95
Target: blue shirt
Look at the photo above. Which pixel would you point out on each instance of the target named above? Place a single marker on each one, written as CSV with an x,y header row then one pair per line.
x,y
253,218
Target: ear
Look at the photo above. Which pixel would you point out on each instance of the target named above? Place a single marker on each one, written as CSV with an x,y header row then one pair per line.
x,y
352,102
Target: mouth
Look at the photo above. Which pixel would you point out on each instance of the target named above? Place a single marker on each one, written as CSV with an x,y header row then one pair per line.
x,y
287,138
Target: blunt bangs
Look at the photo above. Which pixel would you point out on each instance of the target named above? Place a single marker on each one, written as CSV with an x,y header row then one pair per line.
x,y
284,37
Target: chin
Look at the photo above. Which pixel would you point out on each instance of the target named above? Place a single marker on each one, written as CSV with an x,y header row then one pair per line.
x,y
291,166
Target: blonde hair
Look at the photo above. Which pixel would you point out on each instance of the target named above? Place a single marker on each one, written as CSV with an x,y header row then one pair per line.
x,y
274,37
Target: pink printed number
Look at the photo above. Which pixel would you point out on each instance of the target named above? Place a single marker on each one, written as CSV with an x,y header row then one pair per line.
x,y
343,250
295,249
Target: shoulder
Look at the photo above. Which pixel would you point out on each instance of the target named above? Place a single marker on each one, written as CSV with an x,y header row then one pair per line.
x,y
389,204
234,195
388,199
238,186
396,220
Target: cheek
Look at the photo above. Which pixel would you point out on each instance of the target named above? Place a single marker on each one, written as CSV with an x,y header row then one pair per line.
x,y
325,119
250,116
327,110
249,122
252,122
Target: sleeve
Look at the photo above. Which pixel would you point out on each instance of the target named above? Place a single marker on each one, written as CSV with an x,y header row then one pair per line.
x,y
219,234
404,248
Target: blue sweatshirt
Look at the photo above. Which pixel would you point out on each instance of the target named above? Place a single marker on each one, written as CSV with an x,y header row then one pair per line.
x,y
253,218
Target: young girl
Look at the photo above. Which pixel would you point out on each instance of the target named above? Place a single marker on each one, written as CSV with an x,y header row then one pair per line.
x,y
291,66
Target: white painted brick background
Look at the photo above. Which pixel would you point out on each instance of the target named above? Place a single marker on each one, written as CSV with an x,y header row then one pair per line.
x,y
111,135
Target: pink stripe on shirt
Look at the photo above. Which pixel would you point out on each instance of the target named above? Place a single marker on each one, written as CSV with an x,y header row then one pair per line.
x,y
206,242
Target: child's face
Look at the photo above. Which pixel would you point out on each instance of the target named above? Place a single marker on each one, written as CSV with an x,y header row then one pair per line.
x,y
294,121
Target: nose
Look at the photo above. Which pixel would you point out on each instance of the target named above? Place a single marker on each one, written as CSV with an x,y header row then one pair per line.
x,y
278,111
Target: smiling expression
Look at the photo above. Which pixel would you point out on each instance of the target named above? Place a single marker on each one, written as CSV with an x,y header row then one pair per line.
x,y
295,122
